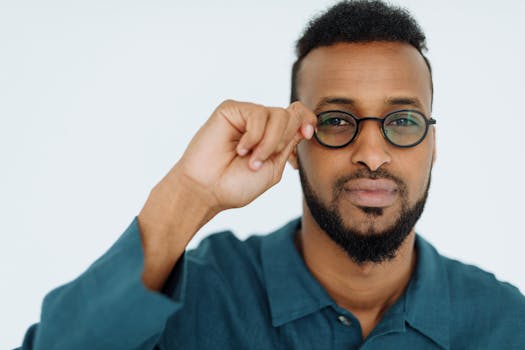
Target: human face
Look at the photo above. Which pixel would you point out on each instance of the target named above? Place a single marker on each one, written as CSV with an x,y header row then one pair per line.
x,y
366,79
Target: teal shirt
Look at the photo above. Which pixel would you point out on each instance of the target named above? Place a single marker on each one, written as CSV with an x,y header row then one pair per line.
x,y
259,294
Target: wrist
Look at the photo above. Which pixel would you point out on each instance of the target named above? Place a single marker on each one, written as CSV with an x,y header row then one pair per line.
x,y
174,211
176,208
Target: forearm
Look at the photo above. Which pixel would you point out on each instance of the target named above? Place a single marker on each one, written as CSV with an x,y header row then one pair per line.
x,y
175,210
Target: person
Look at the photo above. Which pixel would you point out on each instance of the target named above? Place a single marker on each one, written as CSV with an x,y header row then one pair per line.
x,y
350,273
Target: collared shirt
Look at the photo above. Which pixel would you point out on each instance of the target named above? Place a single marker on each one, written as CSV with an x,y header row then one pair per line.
x,y
259,294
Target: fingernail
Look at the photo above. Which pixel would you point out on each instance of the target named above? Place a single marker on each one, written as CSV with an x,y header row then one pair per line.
x,y
242,151
308,131
256,164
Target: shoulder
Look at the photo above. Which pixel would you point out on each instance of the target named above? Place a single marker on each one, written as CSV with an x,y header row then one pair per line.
x,y
468,284
471,284
223,250
479,309
225,263
488,311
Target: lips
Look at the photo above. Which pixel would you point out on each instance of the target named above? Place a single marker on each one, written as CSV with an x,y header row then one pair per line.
x,y
378,193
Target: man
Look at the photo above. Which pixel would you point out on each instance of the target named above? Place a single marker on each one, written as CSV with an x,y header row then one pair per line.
x,y
350,273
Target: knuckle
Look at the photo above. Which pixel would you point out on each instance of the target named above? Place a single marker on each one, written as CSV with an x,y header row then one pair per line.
x,y
297,109
296,116
295,104
281,113
259,109
227,103
302,113
256,115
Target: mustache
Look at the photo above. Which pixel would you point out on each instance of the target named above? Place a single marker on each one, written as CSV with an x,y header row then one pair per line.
x,y
366,173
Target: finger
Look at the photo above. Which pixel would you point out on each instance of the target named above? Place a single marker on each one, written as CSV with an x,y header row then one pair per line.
x,y
281,158
295,122
256,119
300,120
300,124
307,118
273,133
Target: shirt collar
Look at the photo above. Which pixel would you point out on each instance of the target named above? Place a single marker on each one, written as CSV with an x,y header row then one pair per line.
x,y
427,296
293,292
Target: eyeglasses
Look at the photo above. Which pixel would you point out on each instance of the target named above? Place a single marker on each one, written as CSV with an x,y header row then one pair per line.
x,y
403,128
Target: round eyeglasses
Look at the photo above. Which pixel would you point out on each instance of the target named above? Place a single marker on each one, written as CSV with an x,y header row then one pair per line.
x,y
403,128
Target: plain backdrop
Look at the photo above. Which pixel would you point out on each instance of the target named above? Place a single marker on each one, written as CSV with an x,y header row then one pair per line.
x,y
99,98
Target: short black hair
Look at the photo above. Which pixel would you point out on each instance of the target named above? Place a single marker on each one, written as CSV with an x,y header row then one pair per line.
x,y
359,21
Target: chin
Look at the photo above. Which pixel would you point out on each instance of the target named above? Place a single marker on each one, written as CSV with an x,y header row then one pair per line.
x,y
370,220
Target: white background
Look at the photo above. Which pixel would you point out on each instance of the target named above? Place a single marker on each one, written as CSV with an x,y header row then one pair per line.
x,y
99,98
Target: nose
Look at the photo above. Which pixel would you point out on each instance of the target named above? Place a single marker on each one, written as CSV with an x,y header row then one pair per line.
x,y
370,147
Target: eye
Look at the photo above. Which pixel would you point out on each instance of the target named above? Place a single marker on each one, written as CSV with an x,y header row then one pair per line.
x,y
404,119
333,121
402,122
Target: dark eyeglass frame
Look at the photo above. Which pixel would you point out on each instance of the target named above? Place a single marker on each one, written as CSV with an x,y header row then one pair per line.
x,y
428,123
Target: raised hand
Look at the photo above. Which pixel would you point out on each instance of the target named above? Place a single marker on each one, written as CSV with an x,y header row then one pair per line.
x,y
242,149
239,153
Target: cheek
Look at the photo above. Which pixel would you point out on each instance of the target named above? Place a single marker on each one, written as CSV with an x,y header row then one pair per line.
x,y
417,173
320,166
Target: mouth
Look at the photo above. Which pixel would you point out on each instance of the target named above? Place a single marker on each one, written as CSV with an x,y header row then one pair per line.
x,y
373,193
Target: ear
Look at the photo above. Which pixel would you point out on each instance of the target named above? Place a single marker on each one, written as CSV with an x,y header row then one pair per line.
x,y
292,158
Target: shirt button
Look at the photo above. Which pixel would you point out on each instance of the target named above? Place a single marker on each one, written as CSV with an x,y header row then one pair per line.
x,y
344,320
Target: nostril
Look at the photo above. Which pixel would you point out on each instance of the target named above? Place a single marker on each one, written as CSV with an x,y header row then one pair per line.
x,y
371,166
370,155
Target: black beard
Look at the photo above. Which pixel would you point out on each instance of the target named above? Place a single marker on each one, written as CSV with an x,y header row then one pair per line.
x,y
371,246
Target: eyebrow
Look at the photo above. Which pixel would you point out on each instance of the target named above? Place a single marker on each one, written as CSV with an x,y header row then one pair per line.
x,y
411,101
326,101
348,102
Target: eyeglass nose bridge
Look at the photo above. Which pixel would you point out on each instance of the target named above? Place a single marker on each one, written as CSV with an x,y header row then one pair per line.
x,y
358,122
362,119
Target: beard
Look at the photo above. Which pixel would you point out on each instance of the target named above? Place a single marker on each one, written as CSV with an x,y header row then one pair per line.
x,y
371,245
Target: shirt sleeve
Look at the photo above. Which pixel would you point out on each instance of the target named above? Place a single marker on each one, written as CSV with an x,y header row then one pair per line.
x,y
107,307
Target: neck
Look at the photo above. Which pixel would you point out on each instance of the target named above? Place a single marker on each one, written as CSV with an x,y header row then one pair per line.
x,y
367,290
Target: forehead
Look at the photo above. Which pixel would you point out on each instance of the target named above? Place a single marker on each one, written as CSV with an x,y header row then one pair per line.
x,y
368,73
